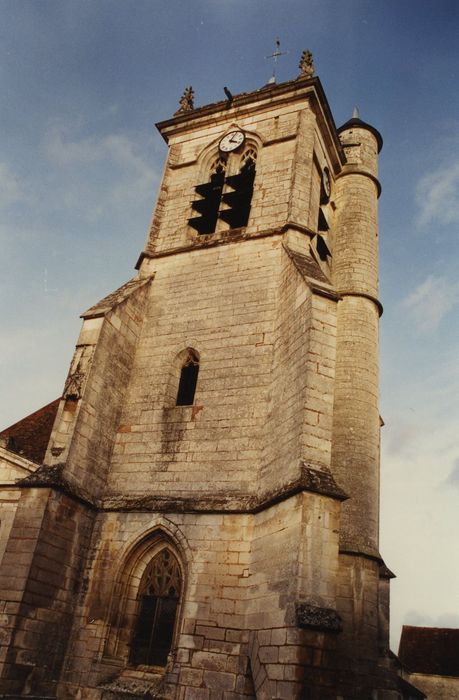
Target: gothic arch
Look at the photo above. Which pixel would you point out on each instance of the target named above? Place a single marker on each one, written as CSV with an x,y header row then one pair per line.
x,y
138,555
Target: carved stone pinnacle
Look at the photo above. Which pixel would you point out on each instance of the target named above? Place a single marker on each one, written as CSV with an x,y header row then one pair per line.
x,y
186,101
306,65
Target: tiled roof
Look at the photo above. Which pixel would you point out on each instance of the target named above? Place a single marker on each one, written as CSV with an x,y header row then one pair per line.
x,y
430,650
29,437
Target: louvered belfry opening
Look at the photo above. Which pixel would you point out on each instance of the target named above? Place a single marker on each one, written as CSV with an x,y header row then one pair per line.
x,y
228,198
159,595
210,197
239,198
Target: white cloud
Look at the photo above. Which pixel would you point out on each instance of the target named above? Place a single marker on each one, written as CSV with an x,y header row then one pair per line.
x,y
62,151
116,163
10,188
431,301
437,195
126,154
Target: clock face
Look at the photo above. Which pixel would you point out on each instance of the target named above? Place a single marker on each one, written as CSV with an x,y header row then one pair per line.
x,y
232,141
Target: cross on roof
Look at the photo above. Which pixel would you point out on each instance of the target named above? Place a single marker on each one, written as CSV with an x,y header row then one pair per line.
x,y
275,55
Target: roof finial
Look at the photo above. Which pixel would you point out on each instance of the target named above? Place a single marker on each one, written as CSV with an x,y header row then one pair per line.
x,y
306,65
355,113
186,101
275,55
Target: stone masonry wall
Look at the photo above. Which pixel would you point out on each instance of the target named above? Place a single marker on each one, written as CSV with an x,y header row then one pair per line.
x,y
8,505
242,580
288,385
189,162
355,455
299,418
84,429
436,687
12,468
221,302
357,604
40,575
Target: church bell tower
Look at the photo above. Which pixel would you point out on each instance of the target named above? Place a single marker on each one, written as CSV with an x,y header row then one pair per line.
x,y
205,523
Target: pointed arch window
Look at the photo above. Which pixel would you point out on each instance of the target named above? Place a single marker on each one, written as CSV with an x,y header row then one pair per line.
x,y
159,595
188,380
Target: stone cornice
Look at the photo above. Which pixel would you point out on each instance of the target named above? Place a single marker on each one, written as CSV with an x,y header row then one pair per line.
x,y
370,297
266,97
235,235
366,552
354,170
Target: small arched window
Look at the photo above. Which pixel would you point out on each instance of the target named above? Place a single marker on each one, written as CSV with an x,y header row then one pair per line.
x,y
159,596
188,380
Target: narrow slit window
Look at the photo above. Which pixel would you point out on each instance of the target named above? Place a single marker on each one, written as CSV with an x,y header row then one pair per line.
x,y
188,380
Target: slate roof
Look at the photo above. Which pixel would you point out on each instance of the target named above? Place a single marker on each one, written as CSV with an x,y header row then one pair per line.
x,y
29,437
359,124
307,266
430,650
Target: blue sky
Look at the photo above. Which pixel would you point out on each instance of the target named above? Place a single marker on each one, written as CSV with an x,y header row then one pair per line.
x,y
82,83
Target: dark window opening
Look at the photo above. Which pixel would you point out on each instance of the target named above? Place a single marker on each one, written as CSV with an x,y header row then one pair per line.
x,y
188,380
322,248
322,223
159,595
239,200
209,204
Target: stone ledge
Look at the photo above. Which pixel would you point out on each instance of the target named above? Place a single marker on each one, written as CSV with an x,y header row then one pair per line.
x,y
134,685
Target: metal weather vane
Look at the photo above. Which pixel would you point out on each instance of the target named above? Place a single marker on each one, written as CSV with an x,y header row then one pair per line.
x,y
275,56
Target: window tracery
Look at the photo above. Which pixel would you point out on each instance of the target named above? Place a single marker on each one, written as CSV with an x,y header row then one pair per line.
x,y
159,595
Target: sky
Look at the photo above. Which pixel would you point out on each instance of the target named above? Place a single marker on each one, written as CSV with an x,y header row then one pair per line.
x,y
82,84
